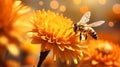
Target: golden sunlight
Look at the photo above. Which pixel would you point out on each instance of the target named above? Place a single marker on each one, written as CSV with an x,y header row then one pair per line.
x,y
54,4
101,54
41,3
102,2
62,8
116,8
111,24
84,9
53,33
76,2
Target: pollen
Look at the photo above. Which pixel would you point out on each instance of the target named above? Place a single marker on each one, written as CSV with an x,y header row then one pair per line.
x,y
53,33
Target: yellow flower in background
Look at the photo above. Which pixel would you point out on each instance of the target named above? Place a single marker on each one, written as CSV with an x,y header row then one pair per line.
x,y
101,54
14,23
52,33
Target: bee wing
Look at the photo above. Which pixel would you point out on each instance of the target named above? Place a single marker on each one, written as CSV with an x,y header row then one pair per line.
x,y
95,24
85,18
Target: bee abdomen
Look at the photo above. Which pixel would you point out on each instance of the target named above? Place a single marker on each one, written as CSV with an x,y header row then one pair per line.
x,y
94,35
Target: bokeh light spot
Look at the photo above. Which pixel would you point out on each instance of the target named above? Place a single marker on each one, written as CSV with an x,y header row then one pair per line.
x,y
13,49
111,24
62,8
84,9
76,2
116,8
3,40
41,3
54,4
102,2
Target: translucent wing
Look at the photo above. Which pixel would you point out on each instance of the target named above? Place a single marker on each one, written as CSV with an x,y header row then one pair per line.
x,y
95,24
85,18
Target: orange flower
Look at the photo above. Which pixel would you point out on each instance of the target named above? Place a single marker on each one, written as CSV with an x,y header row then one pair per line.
x,y
14,22
101,54
52,33
11,18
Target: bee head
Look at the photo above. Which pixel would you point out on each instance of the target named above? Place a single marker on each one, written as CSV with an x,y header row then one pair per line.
x,y
75,25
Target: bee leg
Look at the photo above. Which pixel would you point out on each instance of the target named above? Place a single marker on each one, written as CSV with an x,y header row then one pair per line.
x,y
80,35
85,36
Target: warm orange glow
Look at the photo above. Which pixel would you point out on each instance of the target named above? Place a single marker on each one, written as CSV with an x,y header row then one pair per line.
x,y
62,8
49,63
3,40
31,48
53,34
54,4
41,3
111,24
102,2
76,2
84,9
12,24
116,8
13,49
30,60
101,54
12,63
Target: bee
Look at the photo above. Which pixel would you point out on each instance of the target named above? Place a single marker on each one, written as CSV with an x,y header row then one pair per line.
x,y
85,28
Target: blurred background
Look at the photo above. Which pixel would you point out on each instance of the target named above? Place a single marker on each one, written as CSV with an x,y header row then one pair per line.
x,y
108,10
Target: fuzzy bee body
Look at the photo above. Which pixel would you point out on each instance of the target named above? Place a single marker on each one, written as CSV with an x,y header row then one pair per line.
x,y
93,33
86,28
